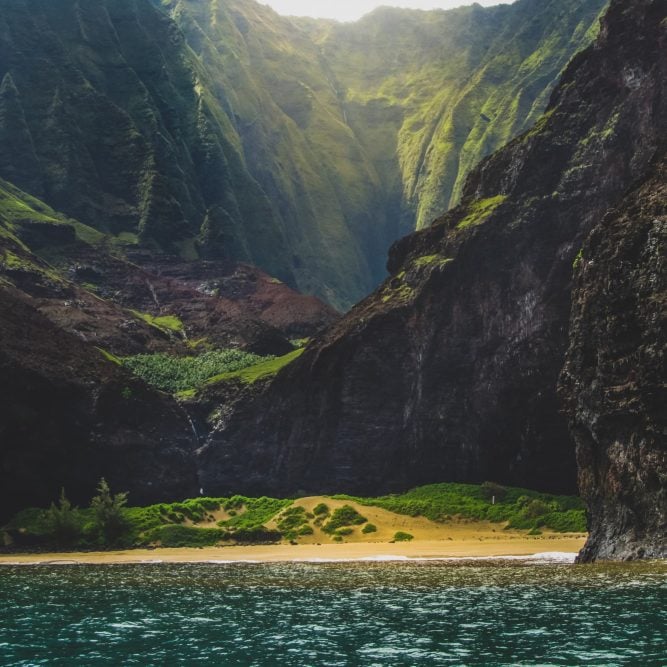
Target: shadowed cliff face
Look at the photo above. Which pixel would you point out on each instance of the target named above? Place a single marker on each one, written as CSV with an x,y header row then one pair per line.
x,y
224,131
614,379
70,417
70,413
449,370
105,115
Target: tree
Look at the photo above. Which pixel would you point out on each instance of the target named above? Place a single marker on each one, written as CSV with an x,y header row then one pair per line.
x,y
62,521
109,514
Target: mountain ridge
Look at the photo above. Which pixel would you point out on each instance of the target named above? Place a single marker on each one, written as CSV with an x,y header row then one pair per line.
x,y
224,131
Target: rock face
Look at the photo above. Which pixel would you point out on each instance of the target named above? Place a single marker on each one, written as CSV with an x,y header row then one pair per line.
x,y
444,89
70,413
110,300
449,371
221,130
70,417
614,379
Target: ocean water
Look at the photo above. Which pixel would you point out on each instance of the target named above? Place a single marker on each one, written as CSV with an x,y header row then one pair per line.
x,y
365,613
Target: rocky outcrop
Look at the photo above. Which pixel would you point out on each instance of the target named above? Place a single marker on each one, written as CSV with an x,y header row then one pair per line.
x,y
449,371
613,383
111,300
70,417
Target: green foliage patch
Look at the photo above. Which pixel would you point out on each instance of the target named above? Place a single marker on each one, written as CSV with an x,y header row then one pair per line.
x,y
480,210
292,520
400,536
256,511
184,374
432,261
264,369
522,508
108,522
343,517
165,323
185,536
321,509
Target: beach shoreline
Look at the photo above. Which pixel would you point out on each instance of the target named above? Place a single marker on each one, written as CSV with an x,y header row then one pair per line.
x,y
562,548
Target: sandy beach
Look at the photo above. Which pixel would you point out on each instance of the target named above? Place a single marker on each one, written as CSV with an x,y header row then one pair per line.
x,y
484,547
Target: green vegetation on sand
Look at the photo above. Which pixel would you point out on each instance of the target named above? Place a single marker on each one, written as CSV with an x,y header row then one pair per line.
x,y
519,508
242,520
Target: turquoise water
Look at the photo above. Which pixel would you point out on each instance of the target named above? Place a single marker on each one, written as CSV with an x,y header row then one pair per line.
x,y
429,613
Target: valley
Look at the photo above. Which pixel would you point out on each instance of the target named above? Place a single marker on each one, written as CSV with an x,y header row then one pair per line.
x,y
197,203
222,130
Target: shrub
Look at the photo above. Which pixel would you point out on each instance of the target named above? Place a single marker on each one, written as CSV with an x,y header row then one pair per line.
x,y
344,531
109,515
209,504
400,536
186,536
256,535
62,522
305,530
257,511
570,521
235,503
321,509
292,518
535,508
369,528
344,516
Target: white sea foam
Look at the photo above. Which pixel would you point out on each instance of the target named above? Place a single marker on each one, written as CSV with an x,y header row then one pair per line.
x,y
548,557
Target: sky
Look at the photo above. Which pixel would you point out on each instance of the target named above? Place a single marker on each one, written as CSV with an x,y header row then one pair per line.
x,y
351,10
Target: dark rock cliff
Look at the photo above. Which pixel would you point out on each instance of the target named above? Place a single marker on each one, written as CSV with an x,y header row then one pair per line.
x,y
70,417
449,371
614,380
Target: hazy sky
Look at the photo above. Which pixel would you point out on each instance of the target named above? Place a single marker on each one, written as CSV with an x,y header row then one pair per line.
x,y
351,10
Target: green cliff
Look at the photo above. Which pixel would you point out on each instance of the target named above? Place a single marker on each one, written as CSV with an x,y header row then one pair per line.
x,y
222,130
